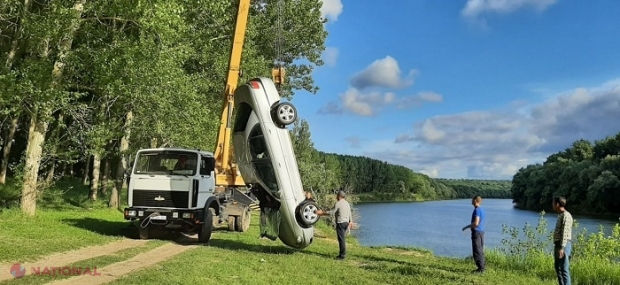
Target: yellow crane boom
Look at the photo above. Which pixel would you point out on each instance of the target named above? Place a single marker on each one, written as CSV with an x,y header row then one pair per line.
x,y
227,174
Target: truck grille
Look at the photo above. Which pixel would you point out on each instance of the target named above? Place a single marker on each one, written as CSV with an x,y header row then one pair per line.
x,y
171,199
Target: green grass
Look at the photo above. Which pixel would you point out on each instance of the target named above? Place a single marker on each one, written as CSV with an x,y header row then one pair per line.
x,y
91,263
28,238
68,223
244,259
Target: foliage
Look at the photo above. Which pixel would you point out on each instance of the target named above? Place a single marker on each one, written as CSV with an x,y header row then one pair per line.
x,y
586,173
594,258
82,68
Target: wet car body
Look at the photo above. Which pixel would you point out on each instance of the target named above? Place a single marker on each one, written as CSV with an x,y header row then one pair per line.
x,y
264,153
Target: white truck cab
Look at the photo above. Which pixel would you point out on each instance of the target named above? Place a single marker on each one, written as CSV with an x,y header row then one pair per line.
x,y
174,189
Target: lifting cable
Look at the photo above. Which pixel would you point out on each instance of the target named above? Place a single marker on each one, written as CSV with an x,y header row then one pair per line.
x,y
278,69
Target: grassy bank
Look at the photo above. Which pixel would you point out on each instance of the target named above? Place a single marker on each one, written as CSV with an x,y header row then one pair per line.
x,y
243,258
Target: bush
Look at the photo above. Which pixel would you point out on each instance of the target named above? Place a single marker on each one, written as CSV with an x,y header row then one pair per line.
x,y
594,258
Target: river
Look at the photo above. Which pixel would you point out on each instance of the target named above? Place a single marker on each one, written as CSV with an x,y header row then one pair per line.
x,y
436,225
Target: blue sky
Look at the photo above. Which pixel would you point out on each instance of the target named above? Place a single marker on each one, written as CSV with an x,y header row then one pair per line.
x,y
465,89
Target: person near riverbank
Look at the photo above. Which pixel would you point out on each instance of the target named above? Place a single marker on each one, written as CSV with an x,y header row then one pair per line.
x,y
562,235
477,234
344,221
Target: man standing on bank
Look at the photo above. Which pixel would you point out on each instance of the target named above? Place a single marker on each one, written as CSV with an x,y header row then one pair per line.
x,y
562,240
344,221
477,234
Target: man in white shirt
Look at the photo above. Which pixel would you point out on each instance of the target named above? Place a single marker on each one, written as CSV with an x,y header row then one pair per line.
x,y
344,221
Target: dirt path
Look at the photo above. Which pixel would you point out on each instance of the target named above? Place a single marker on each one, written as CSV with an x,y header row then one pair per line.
x,y
114,271
66,258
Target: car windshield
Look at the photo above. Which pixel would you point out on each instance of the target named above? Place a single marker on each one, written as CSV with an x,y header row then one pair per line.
x,y
261,159
166,163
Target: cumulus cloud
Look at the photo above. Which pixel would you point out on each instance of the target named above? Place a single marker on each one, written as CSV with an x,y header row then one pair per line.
x,y
331,9
354,141
383,72
496,143
412,101
330,56
474,8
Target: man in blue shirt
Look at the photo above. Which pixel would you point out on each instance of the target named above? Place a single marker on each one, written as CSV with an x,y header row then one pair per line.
x,y
477,234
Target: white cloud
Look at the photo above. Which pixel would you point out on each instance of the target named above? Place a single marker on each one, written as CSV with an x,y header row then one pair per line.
x,y
383,72
474,8
331,9
365,104
330,56
496,143
411,101
370,103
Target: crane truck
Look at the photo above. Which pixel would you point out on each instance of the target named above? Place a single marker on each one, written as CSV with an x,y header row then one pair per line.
x,y
190,190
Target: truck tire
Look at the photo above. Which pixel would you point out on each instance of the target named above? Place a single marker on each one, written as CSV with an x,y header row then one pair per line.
x,y
145,232
204,235
232,225
243,221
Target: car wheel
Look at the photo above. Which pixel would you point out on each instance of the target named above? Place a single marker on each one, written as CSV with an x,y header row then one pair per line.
x,y
204,235
243,221
284,114
306,214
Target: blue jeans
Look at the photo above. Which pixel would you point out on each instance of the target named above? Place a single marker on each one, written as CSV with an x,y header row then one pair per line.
x,y
562,264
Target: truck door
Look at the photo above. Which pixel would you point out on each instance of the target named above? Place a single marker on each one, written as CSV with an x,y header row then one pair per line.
x,y
206,183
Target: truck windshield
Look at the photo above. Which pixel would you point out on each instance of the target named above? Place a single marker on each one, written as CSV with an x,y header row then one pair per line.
x,y
261,160
166,163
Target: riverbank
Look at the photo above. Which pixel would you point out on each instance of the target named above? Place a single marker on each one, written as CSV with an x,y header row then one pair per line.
x,y
243,258
240,258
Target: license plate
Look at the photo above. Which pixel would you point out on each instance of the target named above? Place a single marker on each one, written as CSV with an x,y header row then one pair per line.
x,y
160,218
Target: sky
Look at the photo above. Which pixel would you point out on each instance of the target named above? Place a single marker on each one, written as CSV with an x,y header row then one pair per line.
x,y
465,88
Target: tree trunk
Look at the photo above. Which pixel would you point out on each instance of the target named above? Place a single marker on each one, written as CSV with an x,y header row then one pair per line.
x,y
153,142
87,171
34,149
105,175
54,150
38,121
10,58
122,164
94,185
7,150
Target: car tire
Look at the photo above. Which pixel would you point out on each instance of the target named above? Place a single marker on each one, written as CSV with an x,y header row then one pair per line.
x,y
306,214
284,114
204,235
243,221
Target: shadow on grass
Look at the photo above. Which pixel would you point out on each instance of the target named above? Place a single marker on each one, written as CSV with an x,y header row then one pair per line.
x,y
104,227
418,262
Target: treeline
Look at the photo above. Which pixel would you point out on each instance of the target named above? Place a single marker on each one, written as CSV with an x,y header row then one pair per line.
x,y
375,180
84,84
586,173
468,188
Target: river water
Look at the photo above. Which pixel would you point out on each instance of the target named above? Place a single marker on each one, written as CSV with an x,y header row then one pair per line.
x,y
436,225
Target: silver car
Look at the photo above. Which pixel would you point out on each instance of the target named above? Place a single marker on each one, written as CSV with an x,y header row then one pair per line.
x,y
264,153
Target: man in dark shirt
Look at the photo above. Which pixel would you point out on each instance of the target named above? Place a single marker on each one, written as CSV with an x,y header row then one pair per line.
x,y
477,234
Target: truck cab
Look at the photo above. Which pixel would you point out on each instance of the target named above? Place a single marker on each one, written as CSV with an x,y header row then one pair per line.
x,y
174,189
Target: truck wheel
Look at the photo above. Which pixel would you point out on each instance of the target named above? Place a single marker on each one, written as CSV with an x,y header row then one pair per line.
x,y
284,114
305,214
144,232
243,221
231,223
204,235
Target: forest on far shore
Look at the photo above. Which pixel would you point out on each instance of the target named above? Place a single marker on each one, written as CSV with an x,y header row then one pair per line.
x,y
586,173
